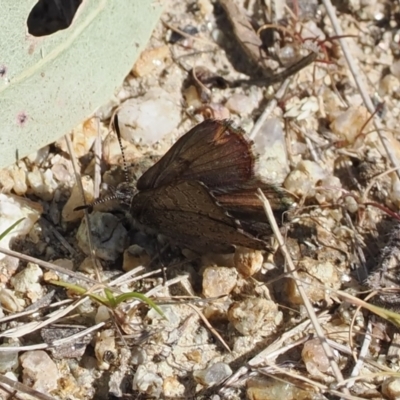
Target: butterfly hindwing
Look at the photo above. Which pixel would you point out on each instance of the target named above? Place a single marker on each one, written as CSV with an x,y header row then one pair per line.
x,y
187,213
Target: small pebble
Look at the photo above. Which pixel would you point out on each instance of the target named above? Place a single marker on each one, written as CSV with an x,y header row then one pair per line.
x,y
75,200
192,97
118,384
19,176
388,85
255,316
8,360
216,311
105,349
135,256
12,209
112,152
151,59
218,281
240,104
39,371
62,170
331,190
38,157
248,262
391,388
298,183
303,179
314,358
42,183
315,275
195,355
262,388
212,375
27,281
172,388
10,301
108,234
6,180
270,144
102,314
65,263
138,356
302,109
351,204
149,118
348,124
83,137
312,169
147,382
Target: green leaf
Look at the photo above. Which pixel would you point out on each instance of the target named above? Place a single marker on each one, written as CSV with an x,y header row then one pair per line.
x,y
10,228
49,84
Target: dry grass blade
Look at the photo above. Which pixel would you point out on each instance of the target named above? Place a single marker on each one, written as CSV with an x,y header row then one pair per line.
x,y
209,326
47,265
313,317
36,325
320,387
274,348
270,107
79,183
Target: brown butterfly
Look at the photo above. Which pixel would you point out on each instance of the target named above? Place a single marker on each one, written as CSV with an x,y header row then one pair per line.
x,y
202,193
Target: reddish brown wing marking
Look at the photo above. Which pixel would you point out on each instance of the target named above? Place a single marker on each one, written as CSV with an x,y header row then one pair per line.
x,y
187,213
212,152
245,197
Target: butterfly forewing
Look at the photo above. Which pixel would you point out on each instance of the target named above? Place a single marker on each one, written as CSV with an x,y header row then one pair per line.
x,y
213,153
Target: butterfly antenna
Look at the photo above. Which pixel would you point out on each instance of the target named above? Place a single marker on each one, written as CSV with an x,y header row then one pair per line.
x,y
125,164
90,206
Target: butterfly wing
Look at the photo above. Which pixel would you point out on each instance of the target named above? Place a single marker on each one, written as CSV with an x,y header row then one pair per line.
x,y
188,214
213,152
245,198
244,205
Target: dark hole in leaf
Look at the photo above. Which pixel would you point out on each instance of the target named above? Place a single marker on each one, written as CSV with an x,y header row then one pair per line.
x,y
3,71
50,16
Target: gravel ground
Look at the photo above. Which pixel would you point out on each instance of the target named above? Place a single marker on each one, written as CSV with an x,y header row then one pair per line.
x,y
234,326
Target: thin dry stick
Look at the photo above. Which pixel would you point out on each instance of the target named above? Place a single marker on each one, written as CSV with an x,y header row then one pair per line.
x,y
360,85
97,155
209,326
15,349
270,107
363,353
320,386
36,325
311,313
79,183
32,311
20,387
189,36
266,355
58,236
